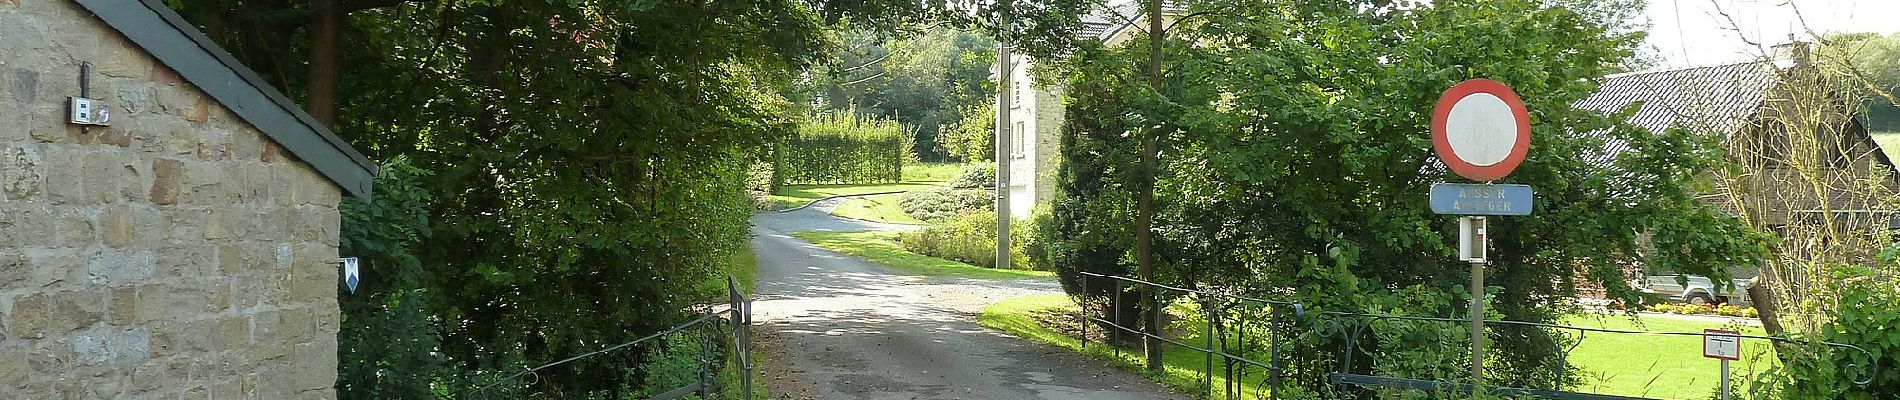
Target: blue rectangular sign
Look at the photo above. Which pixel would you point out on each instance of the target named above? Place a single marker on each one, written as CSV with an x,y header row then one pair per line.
x,y
1481,199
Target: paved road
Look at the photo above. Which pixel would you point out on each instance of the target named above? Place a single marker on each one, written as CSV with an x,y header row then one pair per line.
x,y
836,327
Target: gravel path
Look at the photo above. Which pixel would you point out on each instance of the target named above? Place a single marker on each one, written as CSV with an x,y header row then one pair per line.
x,y
836,327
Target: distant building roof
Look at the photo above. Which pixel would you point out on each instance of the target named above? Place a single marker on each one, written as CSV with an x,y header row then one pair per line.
x,y
1102,23
1715,99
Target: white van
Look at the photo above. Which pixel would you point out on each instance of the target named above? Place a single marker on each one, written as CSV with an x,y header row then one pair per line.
x,y
1698,289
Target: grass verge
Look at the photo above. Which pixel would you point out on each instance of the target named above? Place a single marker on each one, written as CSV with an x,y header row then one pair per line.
x,y
931,172
1667,367
1023,316
792,196
882,248
879,208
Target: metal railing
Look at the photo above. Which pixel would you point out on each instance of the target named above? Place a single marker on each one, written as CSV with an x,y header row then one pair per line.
x,y
733,324
1260,344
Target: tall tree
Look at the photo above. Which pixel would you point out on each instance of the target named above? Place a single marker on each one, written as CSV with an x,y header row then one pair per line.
x,y
571,170
1294,165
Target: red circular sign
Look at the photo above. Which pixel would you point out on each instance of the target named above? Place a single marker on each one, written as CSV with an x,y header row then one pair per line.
x,y
1481,130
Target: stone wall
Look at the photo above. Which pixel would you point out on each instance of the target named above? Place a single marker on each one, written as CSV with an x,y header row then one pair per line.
x,y
177,253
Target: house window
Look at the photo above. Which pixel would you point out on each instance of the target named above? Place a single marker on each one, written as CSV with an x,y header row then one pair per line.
x,y
1016,140
1016,94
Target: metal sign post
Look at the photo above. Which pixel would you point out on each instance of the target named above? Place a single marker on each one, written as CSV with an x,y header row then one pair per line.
x,y
1725,345
1481,131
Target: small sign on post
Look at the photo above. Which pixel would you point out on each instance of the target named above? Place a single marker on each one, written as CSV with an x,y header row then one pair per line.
x,y
1481,199
1724,345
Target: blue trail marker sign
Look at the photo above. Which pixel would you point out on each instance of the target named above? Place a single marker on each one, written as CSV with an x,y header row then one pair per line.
x,y
1481,199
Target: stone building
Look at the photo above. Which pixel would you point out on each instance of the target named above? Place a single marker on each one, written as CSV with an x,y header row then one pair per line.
x,y
1036,107
188,248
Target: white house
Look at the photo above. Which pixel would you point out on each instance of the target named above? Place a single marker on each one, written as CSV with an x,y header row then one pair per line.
x,y
1036,108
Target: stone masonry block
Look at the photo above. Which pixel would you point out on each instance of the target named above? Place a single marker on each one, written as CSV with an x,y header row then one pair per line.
x,y
15,124
158,377
74,228
113,346
114,266
13,368
22,173
14,267
37,315
124,303
167,301
200,336
167,176
24,85
124,62
191,259
52,267
26,227
134,176
102,179
203,185
315,365
115,226
65,174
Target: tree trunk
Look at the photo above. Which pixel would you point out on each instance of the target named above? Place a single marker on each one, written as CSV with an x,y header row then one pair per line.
x,y
1145,213
326,29
1765,307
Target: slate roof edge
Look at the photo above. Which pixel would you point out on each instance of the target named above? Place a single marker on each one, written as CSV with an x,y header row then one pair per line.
x,y
180,46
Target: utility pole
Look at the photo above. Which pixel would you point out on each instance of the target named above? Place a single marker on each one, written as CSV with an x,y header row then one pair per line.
x,y
1004,72
1145,209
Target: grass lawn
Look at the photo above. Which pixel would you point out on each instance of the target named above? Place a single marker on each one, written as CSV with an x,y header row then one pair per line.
x,y
931,172
1666,367
791,196
882,248
1181,368
880,208
915,177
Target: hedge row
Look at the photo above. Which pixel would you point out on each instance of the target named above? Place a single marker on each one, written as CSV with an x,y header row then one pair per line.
x,y
841,147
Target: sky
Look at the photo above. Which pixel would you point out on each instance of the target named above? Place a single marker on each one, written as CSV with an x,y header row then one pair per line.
x,y
1689,33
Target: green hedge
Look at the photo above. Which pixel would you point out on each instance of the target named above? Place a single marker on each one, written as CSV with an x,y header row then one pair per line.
x,y
841,147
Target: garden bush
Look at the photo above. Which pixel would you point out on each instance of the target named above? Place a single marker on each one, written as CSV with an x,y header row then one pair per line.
x,y
941,203
842,147
970,238
975,176
1865,318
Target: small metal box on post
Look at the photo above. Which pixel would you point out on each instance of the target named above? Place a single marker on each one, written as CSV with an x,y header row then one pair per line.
x,y
1481,131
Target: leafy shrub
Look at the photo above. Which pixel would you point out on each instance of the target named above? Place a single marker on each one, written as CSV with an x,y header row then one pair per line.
x,y
942,203
1866,319
842,147
975,176
970,238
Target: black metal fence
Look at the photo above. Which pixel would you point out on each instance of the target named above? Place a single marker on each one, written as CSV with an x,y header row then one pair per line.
x,y
1266,349
715,337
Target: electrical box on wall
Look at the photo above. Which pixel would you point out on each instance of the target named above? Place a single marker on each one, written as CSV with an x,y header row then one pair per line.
x,y
90,112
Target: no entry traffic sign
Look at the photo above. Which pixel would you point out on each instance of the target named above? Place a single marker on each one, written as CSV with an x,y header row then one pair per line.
x,y
1481,129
